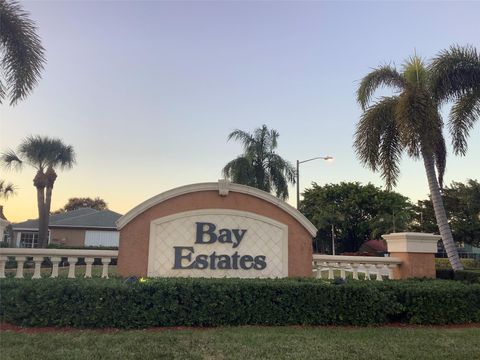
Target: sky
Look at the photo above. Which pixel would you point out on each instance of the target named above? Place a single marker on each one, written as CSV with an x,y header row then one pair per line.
x,y
147,92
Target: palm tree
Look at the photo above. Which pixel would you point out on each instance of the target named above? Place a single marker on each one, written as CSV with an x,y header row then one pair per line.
x,y
259,166
45,155
21,53
6,189
456,76
408,121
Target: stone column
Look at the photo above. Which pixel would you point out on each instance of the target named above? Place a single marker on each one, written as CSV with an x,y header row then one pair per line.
x,y
417,252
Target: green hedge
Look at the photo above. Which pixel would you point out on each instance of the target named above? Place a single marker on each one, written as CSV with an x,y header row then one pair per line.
x,y
442,263
471,276
98,303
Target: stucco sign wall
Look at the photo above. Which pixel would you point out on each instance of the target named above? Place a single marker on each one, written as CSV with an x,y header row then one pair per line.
x,y
215,230
218,243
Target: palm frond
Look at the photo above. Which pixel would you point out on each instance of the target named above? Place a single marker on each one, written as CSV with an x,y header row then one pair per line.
x,y
455,71
382,76
244,137
43,151
35,150
10,160
390,153
63,156
273,139
414,115
415,72
6,189
2,90
370,129
23,54
239,171
440,157
279,183
464,113
284,166
281,172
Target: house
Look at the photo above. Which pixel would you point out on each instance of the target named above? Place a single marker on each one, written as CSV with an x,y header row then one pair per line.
x,y
77,228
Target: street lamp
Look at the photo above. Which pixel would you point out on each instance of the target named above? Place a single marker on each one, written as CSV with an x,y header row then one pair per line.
x,y
326,158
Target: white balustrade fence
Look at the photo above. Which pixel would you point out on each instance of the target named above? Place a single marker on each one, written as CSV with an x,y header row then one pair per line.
x,y
55,256
324,266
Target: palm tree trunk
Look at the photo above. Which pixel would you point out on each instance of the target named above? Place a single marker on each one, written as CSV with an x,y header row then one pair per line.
x,y
42,226
50,176
13,241
48,202
440,214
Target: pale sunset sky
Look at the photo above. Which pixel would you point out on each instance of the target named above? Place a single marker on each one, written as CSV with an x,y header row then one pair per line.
x,y
147,92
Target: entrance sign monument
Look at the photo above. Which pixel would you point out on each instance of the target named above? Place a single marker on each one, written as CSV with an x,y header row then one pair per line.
x,y
215,230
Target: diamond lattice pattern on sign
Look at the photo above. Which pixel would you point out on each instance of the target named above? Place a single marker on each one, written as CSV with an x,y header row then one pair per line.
x,y
263,237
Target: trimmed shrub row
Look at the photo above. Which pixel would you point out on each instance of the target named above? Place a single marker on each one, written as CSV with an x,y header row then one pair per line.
x,y
443,263
99,303
471,276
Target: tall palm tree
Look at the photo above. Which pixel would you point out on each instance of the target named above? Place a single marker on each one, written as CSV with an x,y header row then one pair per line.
x,y
45,155
21,52
456,76
409,121
259,166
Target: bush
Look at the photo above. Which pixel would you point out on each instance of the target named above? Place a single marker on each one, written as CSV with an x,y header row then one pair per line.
x,y
445,274
443,263
471,276
99,303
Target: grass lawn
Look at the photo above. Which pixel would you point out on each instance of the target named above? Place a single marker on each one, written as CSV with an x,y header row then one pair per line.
x,y
247,343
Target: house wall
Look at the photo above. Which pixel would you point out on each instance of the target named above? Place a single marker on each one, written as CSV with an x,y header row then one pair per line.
x,y
68,237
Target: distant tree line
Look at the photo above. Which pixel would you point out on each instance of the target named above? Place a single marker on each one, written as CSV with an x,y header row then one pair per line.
x,y
462,204
83,202
353,213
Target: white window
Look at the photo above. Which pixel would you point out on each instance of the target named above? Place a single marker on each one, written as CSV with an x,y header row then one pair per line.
x,y
29,240
101,238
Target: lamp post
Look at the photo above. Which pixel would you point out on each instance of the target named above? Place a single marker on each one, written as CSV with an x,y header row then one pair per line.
x,y
327,158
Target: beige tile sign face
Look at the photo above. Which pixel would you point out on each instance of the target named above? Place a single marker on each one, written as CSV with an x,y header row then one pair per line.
x,y
218,243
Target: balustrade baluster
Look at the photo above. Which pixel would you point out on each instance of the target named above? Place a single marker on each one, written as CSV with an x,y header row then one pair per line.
x,y
3,262
105,262
330,270
71,267
379,271
342,270
318,268
55,261
367,271
355,271
20,261
391,268
88,268
38,263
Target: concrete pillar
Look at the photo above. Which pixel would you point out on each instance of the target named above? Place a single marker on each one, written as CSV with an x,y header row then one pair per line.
x,y
417,252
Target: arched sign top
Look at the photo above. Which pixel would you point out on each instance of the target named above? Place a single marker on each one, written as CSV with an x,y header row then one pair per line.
x,y
223,187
